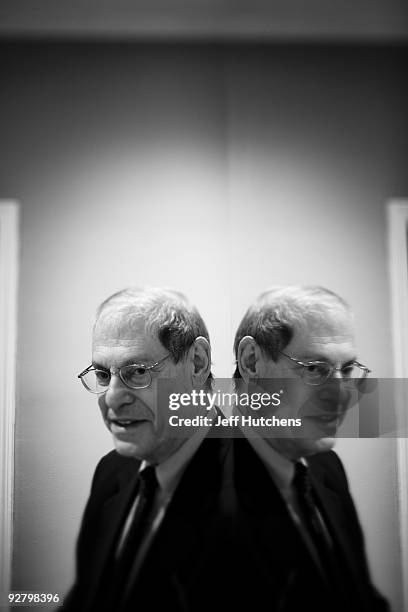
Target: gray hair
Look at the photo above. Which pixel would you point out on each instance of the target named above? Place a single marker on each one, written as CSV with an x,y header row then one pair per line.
x,y
166,313
272,318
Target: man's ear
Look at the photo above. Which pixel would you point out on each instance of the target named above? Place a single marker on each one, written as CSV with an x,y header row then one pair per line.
x,y
200,355
248,356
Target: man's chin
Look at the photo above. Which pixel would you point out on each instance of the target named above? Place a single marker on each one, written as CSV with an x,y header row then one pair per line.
x,y
152,450
134,441
128,449
321,445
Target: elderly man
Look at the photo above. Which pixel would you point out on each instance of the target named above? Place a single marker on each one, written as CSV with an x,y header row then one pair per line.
x,y
299,528
149,532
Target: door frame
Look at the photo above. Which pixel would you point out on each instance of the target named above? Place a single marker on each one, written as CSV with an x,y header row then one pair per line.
x,y
9,252
397,221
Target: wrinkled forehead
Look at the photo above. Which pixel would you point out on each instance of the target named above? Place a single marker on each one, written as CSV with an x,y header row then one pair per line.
x,y
119,327
335,323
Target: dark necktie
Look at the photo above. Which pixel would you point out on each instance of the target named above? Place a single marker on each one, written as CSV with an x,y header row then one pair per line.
x,y
307,504
139,528
331,565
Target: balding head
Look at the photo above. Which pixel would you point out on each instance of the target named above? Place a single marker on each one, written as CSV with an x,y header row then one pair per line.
x,y
272,319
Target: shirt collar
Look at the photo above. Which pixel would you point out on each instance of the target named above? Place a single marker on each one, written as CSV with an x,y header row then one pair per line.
x,y
170,471
280,468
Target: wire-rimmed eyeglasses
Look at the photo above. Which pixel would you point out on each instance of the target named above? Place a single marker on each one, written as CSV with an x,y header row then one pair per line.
x,y
318,372
134,376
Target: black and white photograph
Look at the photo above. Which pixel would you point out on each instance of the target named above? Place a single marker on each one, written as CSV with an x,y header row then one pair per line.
x,y
204,305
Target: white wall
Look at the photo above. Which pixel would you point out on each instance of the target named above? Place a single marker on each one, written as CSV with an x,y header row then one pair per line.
x,y
216,170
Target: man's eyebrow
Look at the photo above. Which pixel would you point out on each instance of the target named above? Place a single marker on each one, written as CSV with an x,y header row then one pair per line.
x,y
147,361
312,357
98,366
320,357
349,362
143,360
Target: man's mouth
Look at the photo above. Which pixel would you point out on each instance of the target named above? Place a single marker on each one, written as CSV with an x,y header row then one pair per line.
x,y
126,423
327,423
327,418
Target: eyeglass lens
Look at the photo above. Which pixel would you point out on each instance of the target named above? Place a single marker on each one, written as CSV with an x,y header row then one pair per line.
x,y
134,376
321,371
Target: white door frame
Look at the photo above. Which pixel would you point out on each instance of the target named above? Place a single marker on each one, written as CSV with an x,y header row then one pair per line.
x,y
8,340
397,218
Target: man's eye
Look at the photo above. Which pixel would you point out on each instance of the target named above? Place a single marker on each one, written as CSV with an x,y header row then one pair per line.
x,y
131,371
136,376
102,377
317,369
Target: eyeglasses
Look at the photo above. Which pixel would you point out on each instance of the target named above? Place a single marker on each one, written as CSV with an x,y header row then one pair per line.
x,y
317,372
134,376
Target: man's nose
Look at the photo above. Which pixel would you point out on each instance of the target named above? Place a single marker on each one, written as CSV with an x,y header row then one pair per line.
x,y
336,388
117,394
335,381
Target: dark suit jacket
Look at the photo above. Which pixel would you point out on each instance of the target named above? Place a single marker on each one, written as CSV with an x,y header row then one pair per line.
x,y
278,559
227,539
181,570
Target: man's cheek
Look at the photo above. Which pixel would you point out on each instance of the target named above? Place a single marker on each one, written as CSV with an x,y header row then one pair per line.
x,y
103,408
160,419
300,403
296,397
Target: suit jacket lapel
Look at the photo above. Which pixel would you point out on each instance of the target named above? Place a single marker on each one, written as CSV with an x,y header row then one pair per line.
x,y
192,506
277,535
112,518
186,531
336,520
